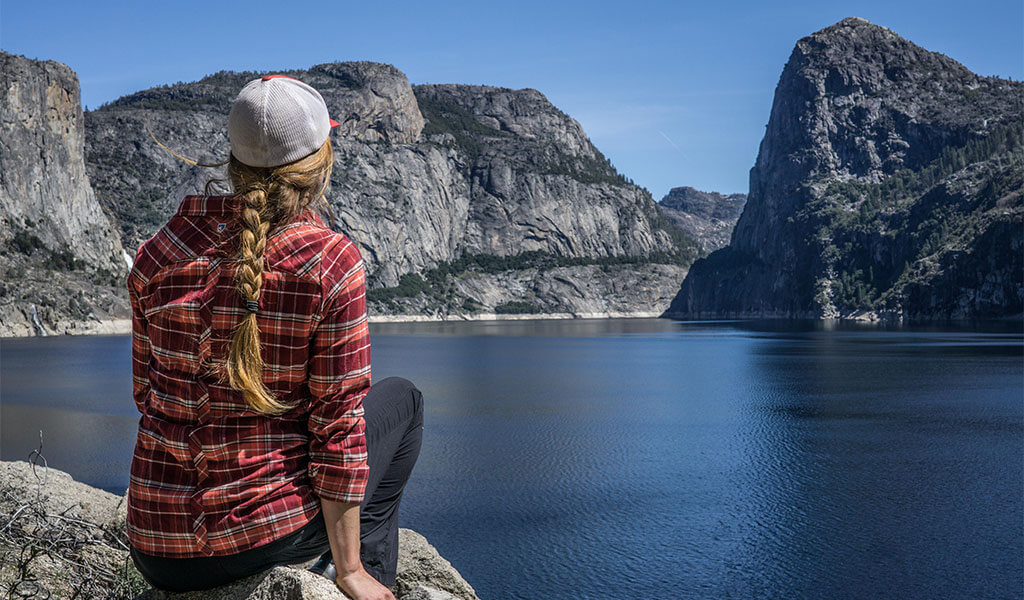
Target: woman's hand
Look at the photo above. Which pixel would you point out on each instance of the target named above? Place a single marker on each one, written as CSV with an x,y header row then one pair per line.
x,y
360,585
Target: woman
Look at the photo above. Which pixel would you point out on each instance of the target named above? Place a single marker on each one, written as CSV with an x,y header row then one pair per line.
x,y
261,441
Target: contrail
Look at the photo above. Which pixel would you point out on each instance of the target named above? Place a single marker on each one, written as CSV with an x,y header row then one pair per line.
x,y
670,140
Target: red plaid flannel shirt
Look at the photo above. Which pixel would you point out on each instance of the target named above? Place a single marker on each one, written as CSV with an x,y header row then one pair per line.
x,y
209,476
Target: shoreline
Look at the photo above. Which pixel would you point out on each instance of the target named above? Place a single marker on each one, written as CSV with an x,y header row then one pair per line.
x,y
860,316
124,326
513,317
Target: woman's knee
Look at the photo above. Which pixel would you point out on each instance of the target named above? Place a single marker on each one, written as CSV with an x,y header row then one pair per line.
x,y
404,391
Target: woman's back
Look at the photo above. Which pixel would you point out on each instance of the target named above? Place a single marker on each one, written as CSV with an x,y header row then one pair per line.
x,y
210,476
261,442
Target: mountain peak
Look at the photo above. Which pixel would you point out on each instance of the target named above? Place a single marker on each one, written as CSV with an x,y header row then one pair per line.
x,y
855,104
853,31
857,41
853,27
850,23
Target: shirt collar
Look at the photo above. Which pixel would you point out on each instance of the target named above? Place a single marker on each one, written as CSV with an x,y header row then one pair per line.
x,y
210,206
198,206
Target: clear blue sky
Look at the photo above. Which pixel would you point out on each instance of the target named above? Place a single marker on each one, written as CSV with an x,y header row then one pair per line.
x,y
674,93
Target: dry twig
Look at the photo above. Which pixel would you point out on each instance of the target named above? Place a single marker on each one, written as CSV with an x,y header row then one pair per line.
x,y
34,542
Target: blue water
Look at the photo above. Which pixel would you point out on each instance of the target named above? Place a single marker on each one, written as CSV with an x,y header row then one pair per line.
x,y
657,459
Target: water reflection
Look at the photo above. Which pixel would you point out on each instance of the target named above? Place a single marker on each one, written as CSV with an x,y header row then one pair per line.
x,y
529,327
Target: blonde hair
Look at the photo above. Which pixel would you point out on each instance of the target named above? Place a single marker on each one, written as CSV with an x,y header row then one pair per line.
x,y
270,197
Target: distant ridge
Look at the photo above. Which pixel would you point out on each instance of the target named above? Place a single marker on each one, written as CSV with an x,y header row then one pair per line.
x,y
707,216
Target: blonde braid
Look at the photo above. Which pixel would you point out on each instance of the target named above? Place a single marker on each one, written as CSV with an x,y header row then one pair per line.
x,y
245,360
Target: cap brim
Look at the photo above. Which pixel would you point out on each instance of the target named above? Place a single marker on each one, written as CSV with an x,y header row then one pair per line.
x,y
334,123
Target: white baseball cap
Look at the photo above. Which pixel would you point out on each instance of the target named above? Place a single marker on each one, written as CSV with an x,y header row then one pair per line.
x,y
277,119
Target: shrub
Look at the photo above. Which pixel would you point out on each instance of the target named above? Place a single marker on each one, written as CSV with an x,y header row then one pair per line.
x,y
63,260
25,242
517,307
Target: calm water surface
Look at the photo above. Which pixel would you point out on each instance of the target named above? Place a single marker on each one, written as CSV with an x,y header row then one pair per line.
x,y
656,459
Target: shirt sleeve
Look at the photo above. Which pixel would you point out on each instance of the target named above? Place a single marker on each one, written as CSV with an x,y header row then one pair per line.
x,y
339,378
140,347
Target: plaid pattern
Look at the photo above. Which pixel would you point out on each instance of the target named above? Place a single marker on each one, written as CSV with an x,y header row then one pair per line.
x,y
209,476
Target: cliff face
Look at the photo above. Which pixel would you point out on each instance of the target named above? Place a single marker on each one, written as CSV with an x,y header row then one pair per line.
x,y
535,182
423,177
54,236
888,182
708,217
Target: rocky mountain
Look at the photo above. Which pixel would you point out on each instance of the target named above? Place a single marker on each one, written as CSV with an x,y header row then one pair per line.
x,y
464,199
708,217
888,184
61,258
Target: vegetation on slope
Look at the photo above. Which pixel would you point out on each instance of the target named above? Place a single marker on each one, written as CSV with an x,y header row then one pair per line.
x,y
870,236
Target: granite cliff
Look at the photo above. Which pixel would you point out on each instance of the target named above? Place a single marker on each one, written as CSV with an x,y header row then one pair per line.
x,y
466,200
707,217
888,184
462,198
61,257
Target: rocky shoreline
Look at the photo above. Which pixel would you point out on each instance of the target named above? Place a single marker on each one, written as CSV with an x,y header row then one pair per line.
x,y
60,538
858,316
124,326
513,317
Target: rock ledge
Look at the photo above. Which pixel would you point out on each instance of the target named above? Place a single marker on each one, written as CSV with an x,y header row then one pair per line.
x,y
31,498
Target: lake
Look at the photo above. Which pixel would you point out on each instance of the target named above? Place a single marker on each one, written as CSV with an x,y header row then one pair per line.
x,y
649,458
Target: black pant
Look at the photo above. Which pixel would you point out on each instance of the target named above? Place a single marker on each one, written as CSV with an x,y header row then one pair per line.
x,y
394,429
